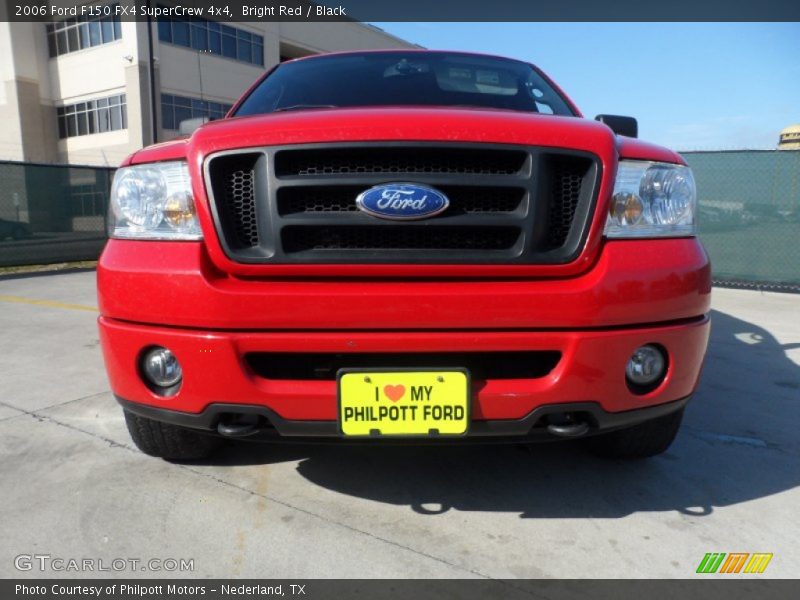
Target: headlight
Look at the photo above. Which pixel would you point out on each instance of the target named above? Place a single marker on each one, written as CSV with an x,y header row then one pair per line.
x,y
153,202
652,199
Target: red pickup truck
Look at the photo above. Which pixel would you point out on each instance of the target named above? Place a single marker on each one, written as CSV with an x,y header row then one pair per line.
x,y
419,246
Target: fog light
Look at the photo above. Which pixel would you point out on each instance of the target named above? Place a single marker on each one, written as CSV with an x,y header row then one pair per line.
x,y
161,367
646,366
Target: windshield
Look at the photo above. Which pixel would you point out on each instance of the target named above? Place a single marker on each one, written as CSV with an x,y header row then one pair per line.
x,y
404,79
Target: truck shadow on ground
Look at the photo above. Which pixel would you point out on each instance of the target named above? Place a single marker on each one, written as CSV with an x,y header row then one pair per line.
x,y
738,443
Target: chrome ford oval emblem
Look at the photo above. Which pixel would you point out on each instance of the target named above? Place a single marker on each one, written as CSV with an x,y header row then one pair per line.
x,y
402,201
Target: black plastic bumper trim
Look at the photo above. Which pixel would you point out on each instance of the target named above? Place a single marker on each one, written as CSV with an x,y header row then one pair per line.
x,y
532,427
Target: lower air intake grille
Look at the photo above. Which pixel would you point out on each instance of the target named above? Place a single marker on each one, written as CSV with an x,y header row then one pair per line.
x,y
481,365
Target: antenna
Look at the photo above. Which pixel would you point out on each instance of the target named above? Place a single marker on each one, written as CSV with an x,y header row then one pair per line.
x,y
200,73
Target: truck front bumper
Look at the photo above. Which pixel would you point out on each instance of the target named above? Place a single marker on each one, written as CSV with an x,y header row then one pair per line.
x,y
587,379
637,292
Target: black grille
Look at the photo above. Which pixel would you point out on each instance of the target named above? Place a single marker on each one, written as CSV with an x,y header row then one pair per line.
x,y
484,199
508,204
335,199
397,160
234,188
292,200
567,177
371,237
481,365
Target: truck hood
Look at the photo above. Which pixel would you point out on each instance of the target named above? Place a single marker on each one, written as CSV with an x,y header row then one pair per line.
x,y
636,149
405,124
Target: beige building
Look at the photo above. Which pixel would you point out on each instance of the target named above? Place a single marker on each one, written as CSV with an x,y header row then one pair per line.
x,y
79,92
790,138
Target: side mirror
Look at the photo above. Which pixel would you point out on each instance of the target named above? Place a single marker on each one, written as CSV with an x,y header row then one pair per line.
x,y
189,126
626,126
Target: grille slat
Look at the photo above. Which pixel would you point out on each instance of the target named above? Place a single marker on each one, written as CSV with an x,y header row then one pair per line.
x,y
371,237
335,199
508,204
396,161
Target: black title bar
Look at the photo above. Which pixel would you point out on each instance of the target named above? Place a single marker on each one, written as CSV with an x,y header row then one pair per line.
x,y
405,589
408,10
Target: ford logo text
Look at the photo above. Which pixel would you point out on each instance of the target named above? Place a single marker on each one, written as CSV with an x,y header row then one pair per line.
x,y
402,201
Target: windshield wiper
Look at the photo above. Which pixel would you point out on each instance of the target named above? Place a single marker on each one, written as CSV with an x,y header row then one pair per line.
x,y
303,107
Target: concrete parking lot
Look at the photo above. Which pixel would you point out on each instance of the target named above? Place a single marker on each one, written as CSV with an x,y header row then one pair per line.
x,y
73,485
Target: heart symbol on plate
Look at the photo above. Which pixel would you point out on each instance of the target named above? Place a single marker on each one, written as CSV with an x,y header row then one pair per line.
x,y
394,392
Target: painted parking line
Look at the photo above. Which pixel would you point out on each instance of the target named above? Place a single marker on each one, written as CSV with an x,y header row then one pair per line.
x,y
47,303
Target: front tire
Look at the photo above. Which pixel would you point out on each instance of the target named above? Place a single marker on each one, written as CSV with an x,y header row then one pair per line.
x,y
169,441
640,441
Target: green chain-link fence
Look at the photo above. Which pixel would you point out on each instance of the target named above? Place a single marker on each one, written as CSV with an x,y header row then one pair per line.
x,y
52,213
750,215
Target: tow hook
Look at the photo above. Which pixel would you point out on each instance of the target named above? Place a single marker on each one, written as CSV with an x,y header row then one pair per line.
x,y
238,425
567,425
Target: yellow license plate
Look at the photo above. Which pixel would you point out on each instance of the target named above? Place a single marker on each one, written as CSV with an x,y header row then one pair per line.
x,y
404,403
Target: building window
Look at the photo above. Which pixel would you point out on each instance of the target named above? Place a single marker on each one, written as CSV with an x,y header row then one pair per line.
x,y
213,37
175,109
92,116
80,33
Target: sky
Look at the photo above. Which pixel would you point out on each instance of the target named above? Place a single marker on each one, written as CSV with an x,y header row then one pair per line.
x,y
692,86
